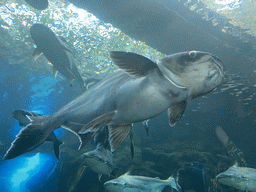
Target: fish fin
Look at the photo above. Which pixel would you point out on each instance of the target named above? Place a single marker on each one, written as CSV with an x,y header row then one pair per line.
x,y
173,183
176,111
66,49
145,125
236,164
56,144
128,173
22,117
55,72
115,171
99,176
117,133
75,127
132,146
36,119
63,46
62,39
37,53
132,63
98,123
29,138
85,138
70,82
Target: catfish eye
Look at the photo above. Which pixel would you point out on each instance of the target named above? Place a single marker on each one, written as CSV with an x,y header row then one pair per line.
x,y
192,54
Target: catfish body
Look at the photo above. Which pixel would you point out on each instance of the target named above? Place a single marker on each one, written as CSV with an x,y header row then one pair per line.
x,y
141,90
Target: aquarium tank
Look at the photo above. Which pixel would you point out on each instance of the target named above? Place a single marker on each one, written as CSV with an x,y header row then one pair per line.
x,y
121,95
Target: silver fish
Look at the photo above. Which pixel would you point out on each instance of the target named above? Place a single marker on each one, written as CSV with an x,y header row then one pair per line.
x,y
55,50
243,178
142,90
99,160
129,183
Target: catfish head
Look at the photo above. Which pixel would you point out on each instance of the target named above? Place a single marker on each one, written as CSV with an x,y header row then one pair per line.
x,y
199,72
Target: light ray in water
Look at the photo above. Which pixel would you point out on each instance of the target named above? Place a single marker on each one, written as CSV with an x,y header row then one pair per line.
x,y
20,176
27,173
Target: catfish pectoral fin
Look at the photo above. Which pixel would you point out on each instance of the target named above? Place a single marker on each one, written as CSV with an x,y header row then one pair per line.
x,y
176,111
55,72
98,123
37,53
117,133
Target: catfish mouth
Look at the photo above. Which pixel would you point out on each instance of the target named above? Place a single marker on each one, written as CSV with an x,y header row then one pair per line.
x,y
219,63
217,75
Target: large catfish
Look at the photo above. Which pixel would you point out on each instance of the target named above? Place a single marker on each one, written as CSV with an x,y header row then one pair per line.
x,y
142,89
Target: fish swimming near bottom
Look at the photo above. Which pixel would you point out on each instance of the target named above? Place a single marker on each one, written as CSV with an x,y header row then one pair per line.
x,y
141,90
243,178
22,117
129,183
99,160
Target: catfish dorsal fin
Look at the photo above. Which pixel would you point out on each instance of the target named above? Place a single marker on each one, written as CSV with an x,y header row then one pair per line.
x,y
128,173
236,164
132,63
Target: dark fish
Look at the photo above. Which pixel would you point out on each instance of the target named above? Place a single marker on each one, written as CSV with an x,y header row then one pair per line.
x,y
55,50
38,4
23,117
142,90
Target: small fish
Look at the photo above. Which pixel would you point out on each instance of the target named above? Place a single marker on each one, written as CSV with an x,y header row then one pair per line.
x,y
99,160
55,50
23,117
38,4
129,183
243,178
141,90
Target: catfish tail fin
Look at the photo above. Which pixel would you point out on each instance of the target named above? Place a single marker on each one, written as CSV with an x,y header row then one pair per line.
x,y
29,138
